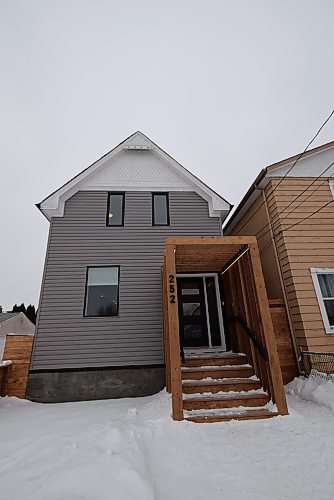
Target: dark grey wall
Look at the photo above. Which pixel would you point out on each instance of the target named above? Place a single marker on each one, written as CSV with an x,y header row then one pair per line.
x,y
66,339
59,387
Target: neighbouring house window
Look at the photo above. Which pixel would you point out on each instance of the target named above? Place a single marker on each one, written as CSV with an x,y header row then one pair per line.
x,y
102,287
331,185
160,209
323,280
115,212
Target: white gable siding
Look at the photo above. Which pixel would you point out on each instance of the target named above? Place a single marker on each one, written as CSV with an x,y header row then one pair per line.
x,y
136,170
311,166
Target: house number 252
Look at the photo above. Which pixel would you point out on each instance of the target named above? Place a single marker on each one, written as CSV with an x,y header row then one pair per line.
x,y
171,284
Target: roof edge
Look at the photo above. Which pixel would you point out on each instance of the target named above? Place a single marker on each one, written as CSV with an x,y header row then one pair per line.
x,y
270,168
249,192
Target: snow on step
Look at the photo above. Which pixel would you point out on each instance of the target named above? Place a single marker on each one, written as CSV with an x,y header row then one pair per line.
x,y
211,354
227,400
210,380
252,414
230,371
216,359
219,394
214,367
223,412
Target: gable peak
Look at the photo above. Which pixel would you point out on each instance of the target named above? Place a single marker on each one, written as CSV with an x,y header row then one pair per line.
x,y
138,141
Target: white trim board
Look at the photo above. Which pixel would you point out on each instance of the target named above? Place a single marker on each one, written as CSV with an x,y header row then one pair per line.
x,y
314,273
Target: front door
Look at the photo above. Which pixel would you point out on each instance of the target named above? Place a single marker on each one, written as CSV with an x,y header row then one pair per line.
x,y
192,312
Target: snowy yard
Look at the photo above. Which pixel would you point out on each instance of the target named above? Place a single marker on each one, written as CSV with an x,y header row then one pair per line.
x,y
130,449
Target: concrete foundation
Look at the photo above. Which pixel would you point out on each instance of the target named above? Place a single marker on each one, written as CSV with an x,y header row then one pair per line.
x,y
108,383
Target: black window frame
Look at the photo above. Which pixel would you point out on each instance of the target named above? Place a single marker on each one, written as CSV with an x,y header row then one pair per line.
x,y
110,193
166,194
86,289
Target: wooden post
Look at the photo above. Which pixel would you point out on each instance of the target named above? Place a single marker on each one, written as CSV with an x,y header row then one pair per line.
x,y
173,332
4,375
268,331
165,326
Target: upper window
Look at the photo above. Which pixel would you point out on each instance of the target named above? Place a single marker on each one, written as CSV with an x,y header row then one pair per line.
x,y
102,291
160,209
323,280
115,212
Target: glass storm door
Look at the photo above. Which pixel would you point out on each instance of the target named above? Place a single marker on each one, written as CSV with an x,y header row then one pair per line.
x,y
192,312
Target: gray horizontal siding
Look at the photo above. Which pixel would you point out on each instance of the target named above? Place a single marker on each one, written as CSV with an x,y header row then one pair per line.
x,y
66,339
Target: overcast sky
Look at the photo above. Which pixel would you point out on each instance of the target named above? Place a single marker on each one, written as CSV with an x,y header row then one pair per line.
x,y
225,87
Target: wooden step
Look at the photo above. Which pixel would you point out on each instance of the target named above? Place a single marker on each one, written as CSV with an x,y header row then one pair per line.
x,y
227,359
225,401
232,384
197,373
247,415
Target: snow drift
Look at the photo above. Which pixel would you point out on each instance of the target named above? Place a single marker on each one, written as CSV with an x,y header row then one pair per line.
x,y
318,387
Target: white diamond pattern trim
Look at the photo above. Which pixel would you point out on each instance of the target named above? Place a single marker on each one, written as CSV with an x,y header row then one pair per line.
x,y
134,169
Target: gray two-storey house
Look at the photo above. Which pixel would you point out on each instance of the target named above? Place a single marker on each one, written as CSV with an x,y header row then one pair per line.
x,y
99,330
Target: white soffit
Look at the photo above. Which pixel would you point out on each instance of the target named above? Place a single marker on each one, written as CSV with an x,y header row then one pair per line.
x,y
137,164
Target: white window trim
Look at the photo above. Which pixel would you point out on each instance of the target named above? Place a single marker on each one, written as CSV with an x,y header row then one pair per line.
x,y
314,273
2,345
331,185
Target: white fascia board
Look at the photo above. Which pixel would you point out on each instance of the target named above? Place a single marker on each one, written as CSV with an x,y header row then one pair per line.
x,y
53,206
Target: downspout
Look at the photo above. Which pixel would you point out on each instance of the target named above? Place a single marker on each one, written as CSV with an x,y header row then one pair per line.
x,y
280,274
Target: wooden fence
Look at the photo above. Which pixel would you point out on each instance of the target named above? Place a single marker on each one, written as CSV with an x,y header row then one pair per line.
x,y
18,349
286,354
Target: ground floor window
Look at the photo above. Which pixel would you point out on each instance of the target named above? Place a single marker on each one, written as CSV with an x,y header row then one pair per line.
x,y
323,280
102,285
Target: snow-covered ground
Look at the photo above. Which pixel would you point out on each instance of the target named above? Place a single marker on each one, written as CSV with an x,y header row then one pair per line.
x,y
130,449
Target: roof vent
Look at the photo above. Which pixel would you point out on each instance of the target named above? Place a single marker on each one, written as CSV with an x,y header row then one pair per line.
x,y
142,147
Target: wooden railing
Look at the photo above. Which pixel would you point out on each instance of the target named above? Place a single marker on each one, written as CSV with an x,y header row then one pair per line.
x,y
259,346
247,298
286,348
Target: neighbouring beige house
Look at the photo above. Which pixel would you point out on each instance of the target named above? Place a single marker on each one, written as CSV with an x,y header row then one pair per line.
x,y
16,340
290,209
17,323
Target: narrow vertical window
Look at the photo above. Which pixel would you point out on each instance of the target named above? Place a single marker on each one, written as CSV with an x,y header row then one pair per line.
x,y
160,209
323,280
115,212
102,291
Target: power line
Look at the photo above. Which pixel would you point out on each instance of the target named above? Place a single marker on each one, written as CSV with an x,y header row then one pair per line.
x,y
292,166
309,216
306,189
295,224
273,222
293,201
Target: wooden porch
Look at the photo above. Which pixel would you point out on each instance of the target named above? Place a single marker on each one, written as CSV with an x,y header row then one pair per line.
x,y
210,386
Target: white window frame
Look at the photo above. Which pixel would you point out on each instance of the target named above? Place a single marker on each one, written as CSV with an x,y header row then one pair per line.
x,y
2,345
331,185
314,273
